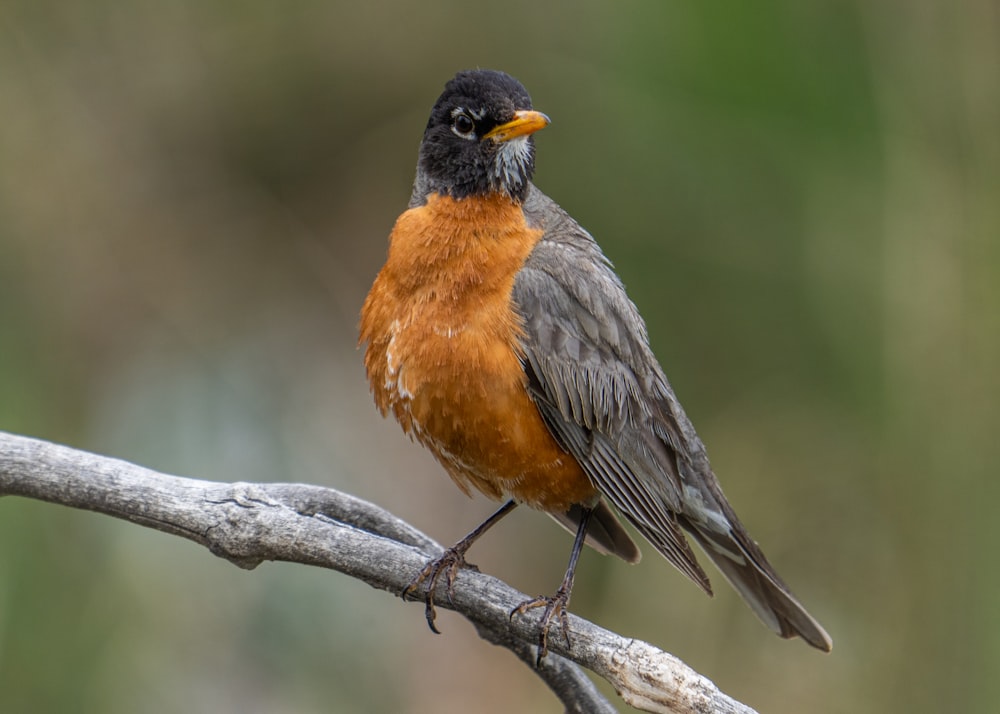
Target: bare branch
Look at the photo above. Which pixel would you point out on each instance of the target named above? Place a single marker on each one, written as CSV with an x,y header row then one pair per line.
x,y
248,523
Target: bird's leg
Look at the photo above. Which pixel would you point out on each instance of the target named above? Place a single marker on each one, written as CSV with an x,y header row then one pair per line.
x,y
557,605
449,563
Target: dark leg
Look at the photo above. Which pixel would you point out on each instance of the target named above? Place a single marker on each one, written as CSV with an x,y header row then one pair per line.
x,y
449,563
556,605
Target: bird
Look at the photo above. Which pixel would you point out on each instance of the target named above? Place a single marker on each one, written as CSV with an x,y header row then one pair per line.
x,y
500,337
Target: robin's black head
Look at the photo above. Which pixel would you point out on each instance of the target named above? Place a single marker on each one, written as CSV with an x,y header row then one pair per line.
x,y
478,139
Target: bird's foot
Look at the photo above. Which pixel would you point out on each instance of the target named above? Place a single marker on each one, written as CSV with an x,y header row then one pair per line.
x,y
556,608
446,565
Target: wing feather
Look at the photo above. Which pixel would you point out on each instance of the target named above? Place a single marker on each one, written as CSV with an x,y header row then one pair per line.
x,y
604,397
583,344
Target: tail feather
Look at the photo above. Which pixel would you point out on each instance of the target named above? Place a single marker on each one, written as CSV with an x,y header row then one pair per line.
x,y
743,564
734,553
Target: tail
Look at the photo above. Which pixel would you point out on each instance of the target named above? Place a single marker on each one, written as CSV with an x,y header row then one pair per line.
x,y
743,564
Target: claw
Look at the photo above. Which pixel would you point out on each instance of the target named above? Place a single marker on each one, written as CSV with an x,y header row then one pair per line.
x,y
555,606
448,564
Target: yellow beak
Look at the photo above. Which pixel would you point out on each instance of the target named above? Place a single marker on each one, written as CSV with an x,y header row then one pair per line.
x,y
524,122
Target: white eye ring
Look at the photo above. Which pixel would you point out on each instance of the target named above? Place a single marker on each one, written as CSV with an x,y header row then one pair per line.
x,y
462,124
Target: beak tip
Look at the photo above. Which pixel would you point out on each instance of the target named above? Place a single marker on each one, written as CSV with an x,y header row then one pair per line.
x,y
534,116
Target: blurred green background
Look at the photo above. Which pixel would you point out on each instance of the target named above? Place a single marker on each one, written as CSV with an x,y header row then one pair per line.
x,y
803,199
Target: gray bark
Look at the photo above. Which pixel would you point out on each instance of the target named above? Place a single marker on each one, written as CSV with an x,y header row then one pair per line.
x,y
248,523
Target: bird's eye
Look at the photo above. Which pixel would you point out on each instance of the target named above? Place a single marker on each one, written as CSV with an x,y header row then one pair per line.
x,y
462,124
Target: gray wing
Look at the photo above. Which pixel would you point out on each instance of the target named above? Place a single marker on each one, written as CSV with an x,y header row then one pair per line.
x,y
604,397
588,367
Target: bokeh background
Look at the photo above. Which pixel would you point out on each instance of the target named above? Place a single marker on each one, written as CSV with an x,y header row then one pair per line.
x,y
802,198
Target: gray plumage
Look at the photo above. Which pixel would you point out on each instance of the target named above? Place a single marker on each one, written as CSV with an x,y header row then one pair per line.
x,y
606,400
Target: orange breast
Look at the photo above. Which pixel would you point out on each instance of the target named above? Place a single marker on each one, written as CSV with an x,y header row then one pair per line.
x,y
442,351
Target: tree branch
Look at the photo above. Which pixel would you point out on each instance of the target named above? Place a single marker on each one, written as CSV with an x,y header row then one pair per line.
x,y
249,523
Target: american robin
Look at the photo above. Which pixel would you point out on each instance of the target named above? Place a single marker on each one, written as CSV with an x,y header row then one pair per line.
x,y
500,337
